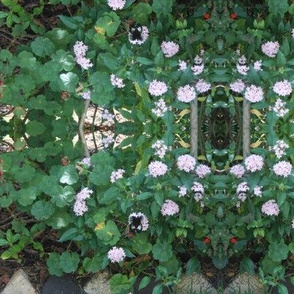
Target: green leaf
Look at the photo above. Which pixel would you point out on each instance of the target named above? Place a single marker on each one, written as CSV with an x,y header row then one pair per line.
x,y
162,251
63,196
144,196
193,265
141,12
157,289
140,243
69,22
69,261
119,284
247,265
68,81
42,47
144,60
68,175
278,251
291,247
53,264
64,60
42,210
144,282
109,196
109,60
26,196
109,233
282,289
35,128
278,7
163,7
109,22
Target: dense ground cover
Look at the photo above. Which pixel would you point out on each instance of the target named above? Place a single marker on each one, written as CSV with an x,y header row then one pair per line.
x,y
205,166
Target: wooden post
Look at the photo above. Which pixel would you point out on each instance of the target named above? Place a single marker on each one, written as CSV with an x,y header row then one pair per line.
x,y
81,128
194,128
246,128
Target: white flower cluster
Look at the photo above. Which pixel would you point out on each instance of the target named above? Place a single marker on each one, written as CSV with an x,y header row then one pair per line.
x,y
279,148
280,108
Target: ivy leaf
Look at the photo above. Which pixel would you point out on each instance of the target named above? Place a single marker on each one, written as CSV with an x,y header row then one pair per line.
x,y
68,175
278,251
247,265
26,196
162,251
69,261
42,210
42,47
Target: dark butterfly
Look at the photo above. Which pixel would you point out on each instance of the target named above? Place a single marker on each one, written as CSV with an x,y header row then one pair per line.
x,y
135,33
136,223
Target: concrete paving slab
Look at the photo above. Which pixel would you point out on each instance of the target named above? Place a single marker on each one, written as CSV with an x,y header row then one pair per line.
x,y
19,284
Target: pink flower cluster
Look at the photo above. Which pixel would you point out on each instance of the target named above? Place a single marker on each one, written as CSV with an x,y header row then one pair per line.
x,y
283,169
157,88
86,161
182,65
186,94
186,162
257,191
116,81
80,50
116,254
202,170
144,220
237,170
169,49
116,4
280,108
270,208
117,174
160,148
198,189
182,191
160,108
242,69
257,65
270,48
169,207
254,163
202,86
80,206
241,190
279,148
253,93
86,95
157,168
238,86
199,65
282,88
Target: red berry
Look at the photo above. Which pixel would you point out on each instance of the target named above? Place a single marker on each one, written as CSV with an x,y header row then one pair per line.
x,y
1,83
206,16
233,16
1,173
206,240
233,240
